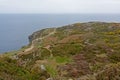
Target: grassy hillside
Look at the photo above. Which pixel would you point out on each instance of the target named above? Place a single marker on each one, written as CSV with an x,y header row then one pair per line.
x,y
80,51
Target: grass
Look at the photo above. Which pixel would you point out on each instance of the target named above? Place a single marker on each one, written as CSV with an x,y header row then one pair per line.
x,y
62,59
51,70
9,68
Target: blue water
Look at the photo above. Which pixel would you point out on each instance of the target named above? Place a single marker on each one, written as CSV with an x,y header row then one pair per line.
x,y
15,28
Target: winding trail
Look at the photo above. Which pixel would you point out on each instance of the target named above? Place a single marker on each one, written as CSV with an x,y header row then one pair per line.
x,y
32,46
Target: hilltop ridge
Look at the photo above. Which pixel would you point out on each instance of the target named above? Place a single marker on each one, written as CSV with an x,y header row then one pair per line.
x,y
80,51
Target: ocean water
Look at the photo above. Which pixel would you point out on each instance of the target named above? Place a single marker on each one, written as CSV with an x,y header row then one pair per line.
x,y
15,28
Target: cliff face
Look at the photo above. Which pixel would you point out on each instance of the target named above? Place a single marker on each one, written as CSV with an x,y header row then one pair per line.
x,y
80,51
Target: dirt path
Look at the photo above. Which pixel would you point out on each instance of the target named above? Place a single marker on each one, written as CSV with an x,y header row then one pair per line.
x,y
32,46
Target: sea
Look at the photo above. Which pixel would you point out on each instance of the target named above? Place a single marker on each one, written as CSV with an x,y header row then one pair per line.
x,y
15,28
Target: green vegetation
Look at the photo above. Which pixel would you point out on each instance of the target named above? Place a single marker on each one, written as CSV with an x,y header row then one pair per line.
x,y
51,70
9,70
66,49
81,51
63,59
